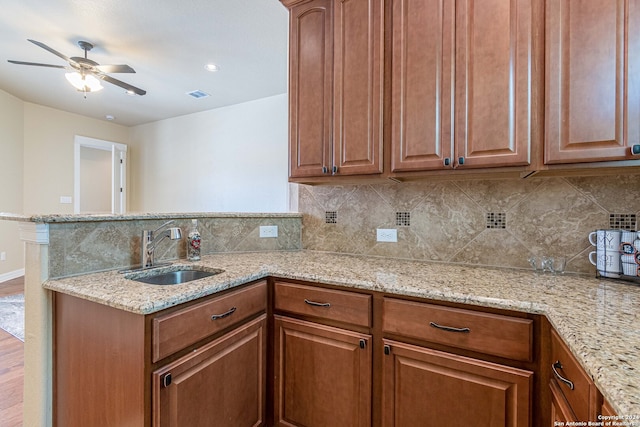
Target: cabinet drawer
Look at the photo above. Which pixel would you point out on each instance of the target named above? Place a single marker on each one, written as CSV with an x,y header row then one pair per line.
x,y
343,306
581,391
494,334
179,329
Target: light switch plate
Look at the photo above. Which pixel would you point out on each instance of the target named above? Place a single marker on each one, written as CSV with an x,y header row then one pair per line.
x,y
387,235
66,200
268,231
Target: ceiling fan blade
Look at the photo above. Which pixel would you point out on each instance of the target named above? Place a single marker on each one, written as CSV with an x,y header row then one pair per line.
x,y
123,85
115,68
45,47
37,64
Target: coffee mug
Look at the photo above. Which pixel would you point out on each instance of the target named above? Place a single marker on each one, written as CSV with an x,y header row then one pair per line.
x,y
606,239
607,262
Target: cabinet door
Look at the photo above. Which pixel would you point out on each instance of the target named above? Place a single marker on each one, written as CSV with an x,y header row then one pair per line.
x,y
560,410
221,384
592,80
322,375
358,89
422,84
493,82
310,88
424,387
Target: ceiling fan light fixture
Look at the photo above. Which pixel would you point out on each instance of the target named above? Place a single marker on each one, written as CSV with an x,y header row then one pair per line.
x,y
84,82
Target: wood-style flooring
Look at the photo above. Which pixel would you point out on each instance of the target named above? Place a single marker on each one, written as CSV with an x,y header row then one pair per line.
x,y
11,366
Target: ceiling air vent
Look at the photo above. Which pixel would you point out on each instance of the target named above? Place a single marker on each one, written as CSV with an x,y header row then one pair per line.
x,y
197,94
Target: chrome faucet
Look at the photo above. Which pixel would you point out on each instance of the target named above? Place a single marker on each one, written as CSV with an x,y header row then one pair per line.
x,y
150,240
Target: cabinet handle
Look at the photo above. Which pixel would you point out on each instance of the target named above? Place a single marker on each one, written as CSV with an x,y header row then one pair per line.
x,y
363,343
317,304
635,150
447,161
387,349
325,169
166,380
225,314
461,161
334,170
558,365
450,328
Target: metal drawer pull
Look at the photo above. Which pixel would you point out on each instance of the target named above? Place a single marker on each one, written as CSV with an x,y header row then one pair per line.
x,y
450,328
317,304
220,316
558,365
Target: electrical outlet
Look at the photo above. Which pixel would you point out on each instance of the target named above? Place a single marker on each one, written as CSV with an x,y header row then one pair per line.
x,y
268,231
387,235
66,200
3,256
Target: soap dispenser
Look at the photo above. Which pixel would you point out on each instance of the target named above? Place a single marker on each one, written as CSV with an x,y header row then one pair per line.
x,y
193,242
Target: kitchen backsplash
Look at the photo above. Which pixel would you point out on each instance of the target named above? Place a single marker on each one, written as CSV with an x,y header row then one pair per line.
x,y
82,247
483,222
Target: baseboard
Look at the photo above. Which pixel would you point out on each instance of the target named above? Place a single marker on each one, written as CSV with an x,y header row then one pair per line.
x,y
11,275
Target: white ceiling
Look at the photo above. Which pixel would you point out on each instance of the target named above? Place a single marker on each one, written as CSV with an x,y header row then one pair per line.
x,y
167,42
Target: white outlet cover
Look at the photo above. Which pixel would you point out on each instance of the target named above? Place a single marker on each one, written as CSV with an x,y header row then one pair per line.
x,y
66,200
387,235
268,231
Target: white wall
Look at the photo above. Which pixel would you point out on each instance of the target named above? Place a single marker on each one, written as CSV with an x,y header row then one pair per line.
x,y
11,172
49,136
231,159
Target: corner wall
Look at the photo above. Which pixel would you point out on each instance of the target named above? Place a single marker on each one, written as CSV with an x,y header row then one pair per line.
x,y
230,159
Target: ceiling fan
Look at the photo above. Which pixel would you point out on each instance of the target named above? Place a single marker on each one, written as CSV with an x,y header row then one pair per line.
x,y
85,73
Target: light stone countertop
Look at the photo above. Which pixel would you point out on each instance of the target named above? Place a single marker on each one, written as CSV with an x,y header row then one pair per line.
x,y
598,319
88,217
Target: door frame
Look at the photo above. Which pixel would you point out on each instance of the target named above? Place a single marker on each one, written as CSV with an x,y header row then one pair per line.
x,y
118,171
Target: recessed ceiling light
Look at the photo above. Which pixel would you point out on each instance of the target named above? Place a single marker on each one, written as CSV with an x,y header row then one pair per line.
x,y
109,117
130,92
211,67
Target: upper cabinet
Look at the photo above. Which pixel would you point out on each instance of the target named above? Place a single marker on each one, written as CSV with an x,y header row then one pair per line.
x,y
592,80
461,84
335,87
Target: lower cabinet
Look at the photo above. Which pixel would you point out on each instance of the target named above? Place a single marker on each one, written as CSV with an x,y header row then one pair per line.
x,y
322,375
574,396
425,387
222,384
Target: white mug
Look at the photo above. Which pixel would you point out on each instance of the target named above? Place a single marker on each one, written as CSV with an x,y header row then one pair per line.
x,y
606,239
607,262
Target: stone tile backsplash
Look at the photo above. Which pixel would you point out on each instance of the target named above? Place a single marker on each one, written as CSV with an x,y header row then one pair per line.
x,y
82,247
484,222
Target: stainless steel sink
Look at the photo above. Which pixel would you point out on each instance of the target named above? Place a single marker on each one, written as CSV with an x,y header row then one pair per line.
x,y
173,275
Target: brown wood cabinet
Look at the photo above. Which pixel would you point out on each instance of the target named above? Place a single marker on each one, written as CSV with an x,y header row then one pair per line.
x,y
220,384
425,387
592,80
574,395
335,87
461,84
322,375
199,364
430,387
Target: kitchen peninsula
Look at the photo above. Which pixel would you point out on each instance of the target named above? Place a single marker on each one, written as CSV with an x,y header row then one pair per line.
x,y
597,319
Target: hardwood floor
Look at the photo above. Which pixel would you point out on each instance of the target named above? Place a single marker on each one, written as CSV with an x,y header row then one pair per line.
x,y
11,366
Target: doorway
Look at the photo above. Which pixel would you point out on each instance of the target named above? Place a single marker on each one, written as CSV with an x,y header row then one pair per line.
x,y
99,176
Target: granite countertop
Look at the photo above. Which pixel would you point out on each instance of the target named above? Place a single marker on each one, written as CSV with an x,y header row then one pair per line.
x,y
88,217
598,319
